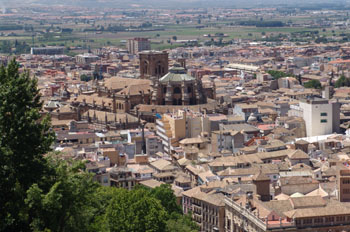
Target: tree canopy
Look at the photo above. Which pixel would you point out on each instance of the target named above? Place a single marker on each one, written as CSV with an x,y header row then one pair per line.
x,y
278,74
316,84
25,137
342,81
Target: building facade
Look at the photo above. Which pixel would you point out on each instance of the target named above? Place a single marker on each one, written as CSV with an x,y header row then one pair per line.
x,y
320,115
137,45
177,88
153,64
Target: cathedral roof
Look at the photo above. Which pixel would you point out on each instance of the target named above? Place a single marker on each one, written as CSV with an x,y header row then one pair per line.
x,y
176,74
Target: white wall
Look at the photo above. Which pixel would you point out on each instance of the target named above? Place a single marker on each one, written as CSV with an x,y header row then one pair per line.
x,y
312,117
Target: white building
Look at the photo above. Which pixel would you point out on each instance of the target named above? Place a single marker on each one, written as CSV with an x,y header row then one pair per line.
x,y
321,116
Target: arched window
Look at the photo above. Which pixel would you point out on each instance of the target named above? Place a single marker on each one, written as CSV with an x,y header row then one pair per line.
x,y
159,68
145,67
177,90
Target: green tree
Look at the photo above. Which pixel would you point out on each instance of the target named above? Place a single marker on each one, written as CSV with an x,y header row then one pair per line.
x,y
5,47
175,37
165,194
278,74
342,81
316,84
25,137
141,209
69,204
135,211
181,223
85,77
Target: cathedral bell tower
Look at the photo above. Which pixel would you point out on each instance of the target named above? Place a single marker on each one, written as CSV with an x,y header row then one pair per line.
x,y
153,64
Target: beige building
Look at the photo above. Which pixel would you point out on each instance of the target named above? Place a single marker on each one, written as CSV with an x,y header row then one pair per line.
x,y
343,182
209,211
137,45
311,213
122,177
153,64
172,128
86,58
207,206
114,156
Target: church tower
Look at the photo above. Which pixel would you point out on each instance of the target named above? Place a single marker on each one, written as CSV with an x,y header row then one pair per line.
x,y
153,64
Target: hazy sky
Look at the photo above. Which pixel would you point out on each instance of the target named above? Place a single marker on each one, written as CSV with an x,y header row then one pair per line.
x,y
173,3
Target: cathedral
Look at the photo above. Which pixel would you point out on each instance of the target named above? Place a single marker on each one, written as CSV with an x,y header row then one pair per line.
x,y
177,88
159,89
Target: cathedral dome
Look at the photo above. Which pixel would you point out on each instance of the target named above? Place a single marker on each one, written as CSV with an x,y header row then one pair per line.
x,y
176,74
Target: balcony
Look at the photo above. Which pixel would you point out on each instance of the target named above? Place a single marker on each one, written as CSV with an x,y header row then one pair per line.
x,y
161,129
160,123
164,137
246,214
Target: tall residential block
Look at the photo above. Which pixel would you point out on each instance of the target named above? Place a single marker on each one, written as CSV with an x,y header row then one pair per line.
x,y
137,45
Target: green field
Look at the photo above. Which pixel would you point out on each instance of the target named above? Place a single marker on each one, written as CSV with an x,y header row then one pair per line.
x,y
48,34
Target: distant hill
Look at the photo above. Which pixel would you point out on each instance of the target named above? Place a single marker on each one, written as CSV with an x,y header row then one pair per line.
x,y
181,3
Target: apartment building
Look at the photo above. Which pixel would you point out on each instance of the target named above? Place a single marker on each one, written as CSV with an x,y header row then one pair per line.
x,y
50,50
173,127
229,140
86,58
308,213
208,211
321,116
137,45
343,182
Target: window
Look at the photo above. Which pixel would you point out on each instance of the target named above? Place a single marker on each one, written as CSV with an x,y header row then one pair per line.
x,y
340,218
323,114
329,219
228,224
323,120
177,90
307,221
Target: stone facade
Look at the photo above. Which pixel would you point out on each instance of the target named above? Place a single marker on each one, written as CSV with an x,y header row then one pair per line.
x,y
177,88
153,64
